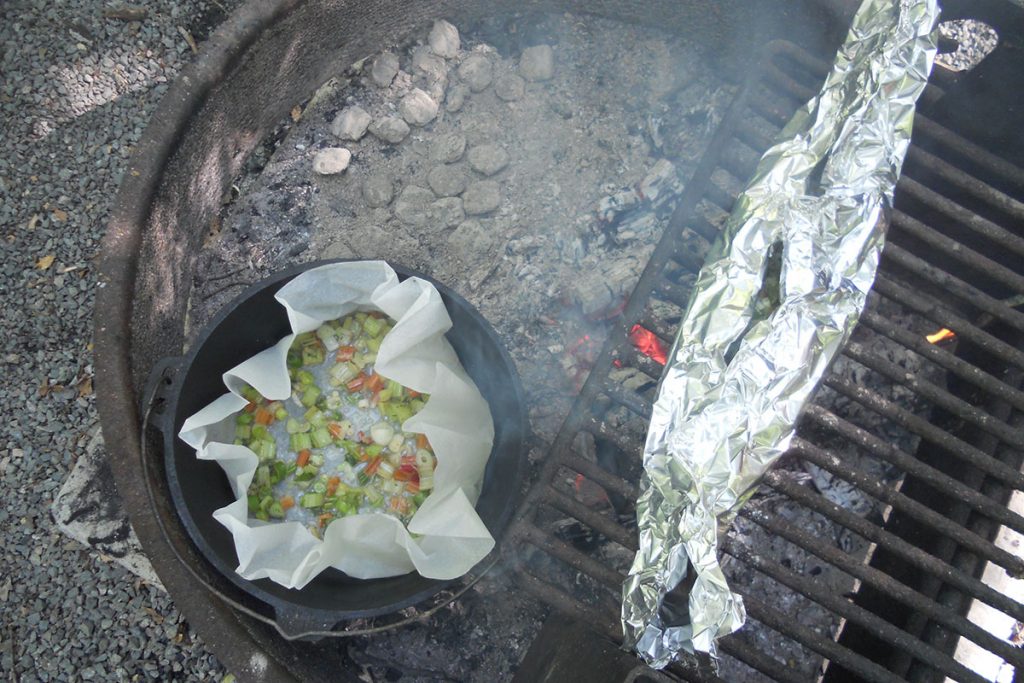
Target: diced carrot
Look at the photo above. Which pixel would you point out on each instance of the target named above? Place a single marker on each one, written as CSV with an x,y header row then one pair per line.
x,y
399,504
287,503
335,429
303,458
365,438
324,518
375,399
412,393
412,487
421,441
374,383
249,408
371,469
408,461
332,485
345,353
263,416
356,383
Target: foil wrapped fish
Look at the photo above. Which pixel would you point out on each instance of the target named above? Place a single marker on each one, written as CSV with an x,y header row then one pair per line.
x,y
751,349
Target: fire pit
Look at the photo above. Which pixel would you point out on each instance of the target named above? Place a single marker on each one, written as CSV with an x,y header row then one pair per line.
x,y
863,554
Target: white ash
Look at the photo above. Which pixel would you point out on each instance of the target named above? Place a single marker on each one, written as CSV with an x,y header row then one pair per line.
x,y
488,159
537,63
390,129
444,39
384,69
351,123
418,108
332,160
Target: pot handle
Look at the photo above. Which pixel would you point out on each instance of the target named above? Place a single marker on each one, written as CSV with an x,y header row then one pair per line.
x,y
156,392
294,622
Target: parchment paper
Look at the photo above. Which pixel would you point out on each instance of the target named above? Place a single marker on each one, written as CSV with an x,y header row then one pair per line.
x,y
456,419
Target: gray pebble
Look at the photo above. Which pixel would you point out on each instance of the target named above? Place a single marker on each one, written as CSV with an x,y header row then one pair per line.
x,y
447,212
418,108
456,98
448,148
390,129
384,69
447,181
444,39
510,87
481,197
488,159
476,72
378,190
413,204
351,123
469,238
537,63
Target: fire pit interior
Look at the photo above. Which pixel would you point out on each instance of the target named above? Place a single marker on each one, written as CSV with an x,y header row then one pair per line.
x,y
566,171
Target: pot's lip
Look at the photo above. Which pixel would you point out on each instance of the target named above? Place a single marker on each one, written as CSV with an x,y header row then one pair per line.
x,y
117,264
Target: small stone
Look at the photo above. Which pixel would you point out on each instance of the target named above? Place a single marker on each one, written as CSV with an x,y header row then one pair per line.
x,y
418,108
537,63
476,72
448,148
384,69
378,190
351,123
481,197
510,87
413,206
469,238
447,181
457,98
444,39
332,160
447,212
488,159
390,129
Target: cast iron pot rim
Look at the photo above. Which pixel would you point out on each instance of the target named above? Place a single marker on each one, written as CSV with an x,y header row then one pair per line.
x,y
282,607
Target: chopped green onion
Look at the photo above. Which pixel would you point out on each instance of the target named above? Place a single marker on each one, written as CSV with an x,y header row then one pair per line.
x,y
321,437
310,395
372,326
300,442
311,500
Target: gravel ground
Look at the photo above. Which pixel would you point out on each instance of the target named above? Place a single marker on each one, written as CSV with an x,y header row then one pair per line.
x,y
76,90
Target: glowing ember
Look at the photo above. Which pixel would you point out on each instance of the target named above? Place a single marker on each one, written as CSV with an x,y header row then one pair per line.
x,y
648,344
941,335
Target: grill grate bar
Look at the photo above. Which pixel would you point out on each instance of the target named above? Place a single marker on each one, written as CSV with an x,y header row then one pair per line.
x,y
966,183
944,359
954,285
924,514
927,431
912,465
574,558
595,520
825,646
738,648
896,545
852,612
930,308
909,225
883,582
940,397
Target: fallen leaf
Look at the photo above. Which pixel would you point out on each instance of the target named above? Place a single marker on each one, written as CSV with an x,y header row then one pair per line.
x,y
296,113
85,387
33,222
60,215
44,388
45,262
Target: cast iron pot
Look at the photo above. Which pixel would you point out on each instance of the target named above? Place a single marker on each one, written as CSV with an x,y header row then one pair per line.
x,y
250,324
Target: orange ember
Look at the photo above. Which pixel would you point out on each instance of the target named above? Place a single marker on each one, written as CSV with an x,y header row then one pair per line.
x,y
648,344
940,336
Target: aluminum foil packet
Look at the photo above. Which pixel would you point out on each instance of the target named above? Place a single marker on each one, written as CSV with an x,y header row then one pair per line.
x,y
756,339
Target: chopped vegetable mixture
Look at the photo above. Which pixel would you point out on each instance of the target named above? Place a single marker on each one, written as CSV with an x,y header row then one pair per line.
x,y
337,447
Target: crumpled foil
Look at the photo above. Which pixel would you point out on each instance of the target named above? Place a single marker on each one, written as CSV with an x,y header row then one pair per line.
x,y
757,338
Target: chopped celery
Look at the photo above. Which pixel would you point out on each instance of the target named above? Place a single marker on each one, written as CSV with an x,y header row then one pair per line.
x,y
254,503
250,394
260,433
313,354
300,442
320,486
416,405
243,431
321,437
373,450
244,418
275,510
316,460
311,500
293,426
281,413
309,396
315,417
373,344
305,378
395,388
372,326
419,498
384,396
294,358
262,476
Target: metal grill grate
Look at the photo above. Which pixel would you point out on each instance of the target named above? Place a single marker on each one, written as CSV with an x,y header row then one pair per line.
x,y
955,260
